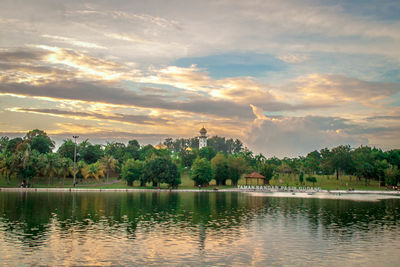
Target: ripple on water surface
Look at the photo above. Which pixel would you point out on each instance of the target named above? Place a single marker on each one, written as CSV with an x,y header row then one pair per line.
x,y
195,229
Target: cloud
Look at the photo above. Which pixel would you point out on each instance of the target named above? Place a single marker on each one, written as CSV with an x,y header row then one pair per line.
x,y
192,30
104,93
129,17
87,66
72,41
191,79
339,88
22,55
71,75
295,136
114,117
293,58
128,38
233,62
43,64
390,118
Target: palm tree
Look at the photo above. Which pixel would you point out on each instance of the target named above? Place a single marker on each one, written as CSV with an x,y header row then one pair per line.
x,y
24,161
94,170
260,158
15,163
52,165
85,170
80,165
25,156
65,168
109,163
6,165
99,170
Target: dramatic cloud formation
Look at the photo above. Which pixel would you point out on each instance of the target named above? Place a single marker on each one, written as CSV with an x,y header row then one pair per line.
x,y
283,76
299,135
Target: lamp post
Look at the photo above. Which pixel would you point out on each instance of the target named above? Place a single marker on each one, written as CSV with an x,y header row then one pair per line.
x,y
75,137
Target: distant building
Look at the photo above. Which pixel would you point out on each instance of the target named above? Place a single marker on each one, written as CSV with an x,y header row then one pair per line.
x,y
203,138
160,146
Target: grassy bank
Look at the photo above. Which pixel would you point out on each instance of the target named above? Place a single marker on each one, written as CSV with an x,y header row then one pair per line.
x,y
323,181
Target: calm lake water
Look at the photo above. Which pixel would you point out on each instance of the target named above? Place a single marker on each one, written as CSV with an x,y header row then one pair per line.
x,y
105,228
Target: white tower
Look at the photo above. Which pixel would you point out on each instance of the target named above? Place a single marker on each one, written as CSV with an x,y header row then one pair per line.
x,y
203,138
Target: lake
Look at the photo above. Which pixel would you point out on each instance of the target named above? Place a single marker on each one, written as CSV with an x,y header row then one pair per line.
x,y
191,228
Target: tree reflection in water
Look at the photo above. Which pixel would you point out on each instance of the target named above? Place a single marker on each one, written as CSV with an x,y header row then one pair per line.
x,y
32,217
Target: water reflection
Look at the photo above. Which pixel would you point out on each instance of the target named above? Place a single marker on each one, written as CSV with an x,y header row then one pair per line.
x,y
193,228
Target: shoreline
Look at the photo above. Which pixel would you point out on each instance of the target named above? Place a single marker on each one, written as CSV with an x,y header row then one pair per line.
x,y
373,192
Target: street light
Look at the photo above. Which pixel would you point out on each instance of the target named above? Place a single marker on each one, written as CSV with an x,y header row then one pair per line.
x,y
75,137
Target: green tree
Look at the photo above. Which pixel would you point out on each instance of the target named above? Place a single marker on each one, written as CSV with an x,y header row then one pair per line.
x,y
218,144
392,175
25,161
188,156
66,150
6,165
326,165
132,170
237,166
14,143
93,170
109,163
193,143
379,170
115,150
393,157
267,170
132,149
274,161
301,178
260,159
220,169
162,170
4,143
39,141
201,172
65,168
78,170
207,153
341,160
249,157
147,152
363,161
237,146
294,165
90,153
311,179
169,143
52,165
312,162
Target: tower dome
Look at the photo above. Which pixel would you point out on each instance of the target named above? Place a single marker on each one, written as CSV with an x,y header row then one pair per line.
x,y
203,138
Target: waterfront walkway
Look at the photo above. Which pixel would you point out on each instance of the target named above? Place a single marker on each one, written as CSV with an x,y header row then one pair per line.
x,y
261,189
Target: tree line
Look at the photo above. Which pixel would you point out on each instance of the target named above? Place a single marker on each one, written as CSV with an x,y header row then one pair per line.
x,y
223,159
218,143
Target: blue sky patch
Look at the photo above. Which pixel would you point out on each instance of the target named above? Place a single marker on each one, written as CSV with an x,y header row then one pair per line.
x,y
235,65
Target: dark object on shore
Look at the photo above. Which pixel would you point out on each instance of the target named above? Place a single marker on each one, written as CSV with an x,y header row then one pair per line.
x,y
24,184
215,188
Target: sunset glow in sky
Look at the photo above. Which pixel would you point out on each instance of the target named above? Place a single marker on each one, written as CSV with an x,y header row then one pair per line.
x,y
285,77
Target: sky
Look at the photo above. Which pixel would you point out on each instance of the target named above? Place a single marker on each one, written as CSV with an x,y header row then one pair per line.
x,y
285,77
